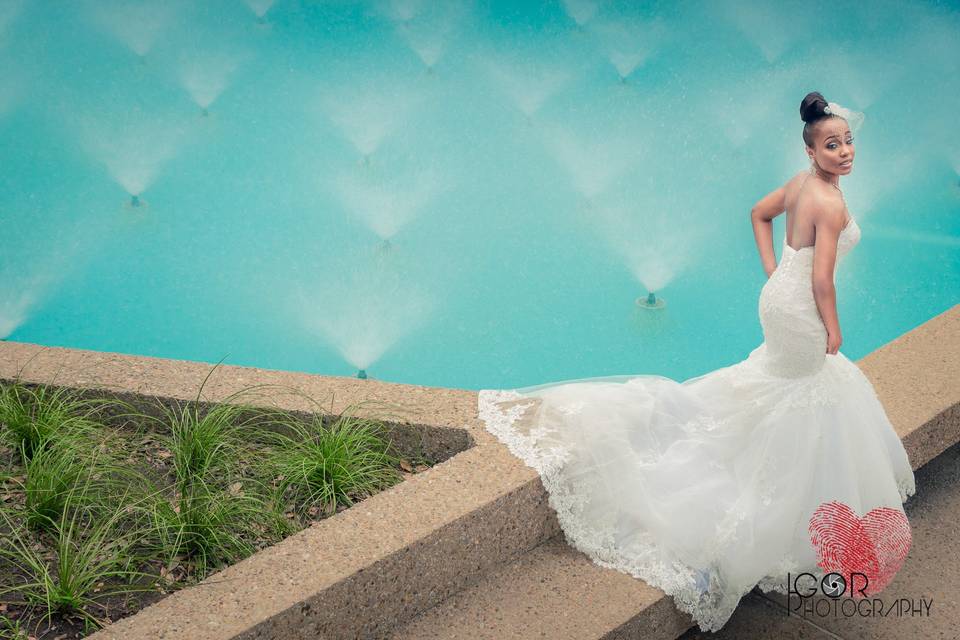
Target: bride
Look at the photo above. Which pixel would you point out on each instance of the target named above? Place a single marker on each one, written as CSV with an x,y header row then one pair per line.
x,y
783,462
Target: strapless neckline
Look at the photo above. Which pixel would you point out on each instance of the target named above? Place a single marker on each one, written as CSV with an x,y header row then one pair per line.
x,y
852,222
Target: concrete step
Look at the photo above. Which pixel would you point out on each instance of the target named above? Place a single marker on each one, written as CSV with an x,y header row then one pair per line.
x,y
552,591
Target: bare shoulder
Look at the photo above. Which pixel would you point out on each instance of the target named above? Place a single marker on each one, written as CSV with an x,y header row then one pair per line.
x,y
795,180
791,187
822,199
829,210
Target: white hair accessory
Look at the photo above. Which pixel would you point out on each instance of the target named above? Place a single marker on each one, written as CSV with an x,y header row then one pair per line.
x,y
854,118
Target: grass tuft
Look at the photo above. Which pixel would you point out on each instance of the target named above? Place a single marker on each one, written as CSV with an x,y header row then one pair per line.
x,y
87,552
321,467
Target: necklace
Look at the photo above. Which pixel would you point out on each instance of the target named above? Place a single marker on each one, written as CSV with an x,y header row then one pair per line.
x,y
835,187
849,217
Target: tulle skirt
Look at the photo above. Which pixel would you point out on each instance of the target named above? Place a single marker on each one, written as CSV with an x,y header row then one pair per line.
x,y
708,487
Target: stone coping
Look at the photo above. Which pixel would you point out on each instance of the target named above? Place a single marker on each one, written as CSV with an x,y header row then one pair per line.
x,y
378,564
917,378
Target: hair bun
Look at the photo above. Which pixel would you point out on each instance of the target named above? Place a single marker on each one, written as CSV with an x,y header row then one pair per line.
x,y
812,106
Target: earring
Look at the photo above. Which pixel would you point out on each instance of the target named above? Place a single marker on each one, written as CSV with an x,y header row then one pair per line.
x,y
813,167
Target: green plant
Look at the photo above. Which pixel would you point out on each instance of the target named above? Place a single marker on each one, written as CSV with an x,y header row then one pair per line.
x,y
208,525
277,525
88,552
204,443
324,466
211,512
51,472
11,629
31,416
66,461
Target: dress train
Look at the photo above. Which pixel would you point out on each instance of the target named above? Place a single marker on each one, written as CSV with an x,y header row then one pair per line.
x,y
783,462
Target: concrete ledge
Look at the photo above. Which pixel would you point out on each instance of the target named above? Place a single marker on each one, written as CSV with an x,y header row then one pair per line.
x,y
917,378
553,591
376,566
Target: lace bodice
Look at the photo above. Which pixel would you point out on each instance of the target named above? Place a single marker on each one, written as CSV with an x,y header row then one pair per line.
x,y
794,334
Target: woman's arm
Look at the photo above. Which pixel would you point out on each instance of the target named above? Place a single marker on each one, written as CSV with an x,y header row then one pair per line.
x,y
827,227
761,216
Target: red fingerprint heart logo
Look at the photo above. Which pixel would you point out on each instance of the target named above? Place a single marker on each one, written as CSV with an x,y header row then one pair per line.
x,y
874,545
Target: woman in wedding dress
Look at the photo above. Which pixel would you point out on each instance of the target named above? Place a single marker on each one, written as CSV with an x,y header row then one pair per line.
x,y
783,462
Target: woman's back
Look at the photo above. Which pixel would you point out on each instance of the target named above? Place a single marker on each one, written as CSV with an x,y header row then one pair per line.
x,y
803,198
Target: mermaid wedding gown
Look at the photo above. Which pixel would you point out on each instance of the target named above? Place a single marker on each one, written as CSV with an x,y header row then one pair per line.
x,y
783,462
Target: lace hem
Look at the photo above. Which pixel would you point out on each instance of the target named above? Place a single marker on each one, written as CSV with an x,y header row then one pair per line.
x,y
700,592
777,581
907,487
710,606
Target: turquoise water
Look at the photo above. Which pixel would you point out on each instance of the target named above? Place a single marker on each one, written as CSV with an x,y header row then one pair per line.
x,y
457,194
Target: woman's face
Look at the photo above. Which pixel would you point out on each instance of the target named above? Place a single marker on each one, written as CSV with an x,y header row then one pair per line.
x,y
833,147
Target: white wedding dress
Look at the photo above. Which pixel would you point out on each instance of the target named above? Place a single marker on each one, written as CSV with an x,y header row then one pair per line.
x,y
783,462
